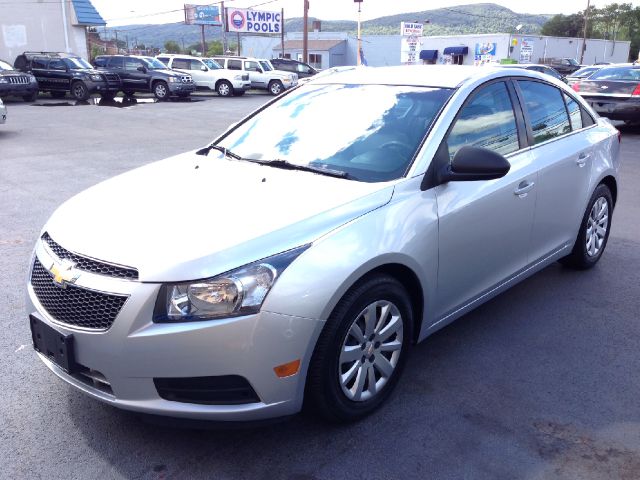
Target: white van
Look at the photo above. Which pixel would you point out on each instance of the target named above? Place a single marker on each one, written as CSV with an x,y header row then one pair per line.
x,y
208,74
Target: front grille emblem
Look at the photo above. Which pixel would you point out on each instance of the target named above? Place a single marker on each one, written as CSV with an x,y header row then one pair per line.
x,y
64,272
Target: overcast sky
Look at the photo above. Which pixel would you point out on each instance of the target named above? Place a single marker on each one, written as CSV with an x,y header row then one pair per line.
x,y
146,11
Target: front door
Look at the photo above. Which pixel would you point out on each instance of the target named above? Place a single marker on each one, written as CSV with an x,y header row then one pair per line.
x,y
256,75
484,226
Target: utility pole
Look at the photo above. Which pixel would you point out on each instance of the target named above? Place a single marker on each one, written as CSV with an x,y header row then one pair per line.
x,y
359,57
204,44
282,31
238,43
223,18
305,34
117,49
584,33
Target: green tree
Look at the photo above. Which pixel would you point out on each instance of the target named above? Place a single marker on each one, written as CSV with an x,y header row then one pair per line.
x,y
214,48
172,46
564,26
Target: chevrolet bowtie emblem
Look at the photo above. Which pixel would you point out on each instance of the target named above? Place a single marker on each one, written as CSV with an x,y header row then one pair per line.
x,y
64,272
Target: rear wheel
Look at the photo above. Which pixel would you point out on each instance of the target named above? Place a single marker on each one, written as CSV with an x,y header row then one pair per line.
x,y
79,91
276,87
224,88
161,90
361,351
594,231
129,93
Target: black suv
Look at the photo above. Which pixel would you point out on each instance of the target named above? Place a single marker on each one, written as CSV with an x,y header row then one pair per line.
x,y
59,73
146,74
288,65
14,83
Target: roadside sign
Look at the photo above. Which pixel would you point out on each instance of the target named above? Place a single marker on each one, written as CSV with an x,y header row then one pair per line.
x,y
253,21
202,15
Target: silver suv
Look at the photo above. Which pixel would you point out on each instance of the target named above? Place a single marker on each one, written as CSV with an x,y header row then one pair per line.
x,y
261,73
208,74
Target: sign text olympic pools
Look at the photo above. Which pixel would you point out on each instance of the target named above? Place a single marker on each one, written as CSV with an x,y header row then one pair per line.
x,y
253,21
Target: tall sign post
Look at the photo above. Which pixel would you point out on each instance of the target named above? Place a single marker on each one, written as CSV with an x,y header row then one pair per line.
x,y
202,15
584,33
305,33
410,33
359,61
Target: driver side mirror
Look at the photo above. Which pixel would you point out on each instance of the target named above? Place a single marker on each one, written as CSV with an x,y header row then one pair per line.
x,y
142,69
474,163
204,68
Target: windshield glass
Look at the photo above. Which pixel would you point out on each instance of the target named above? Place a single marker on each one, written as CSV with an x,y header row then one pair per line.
x,y
5,66
154,64
212,64
573,62
76,63
266,66
339,127
617,73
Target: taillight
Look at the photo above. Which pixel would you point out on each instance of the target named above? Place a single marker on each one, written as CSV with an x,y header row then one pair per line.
x,y
576,86
636,92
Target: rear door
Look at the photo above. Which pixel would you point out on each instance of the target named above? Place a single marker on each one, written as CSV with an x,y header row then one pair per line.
x,y
39,70
58,76
485,226
562,153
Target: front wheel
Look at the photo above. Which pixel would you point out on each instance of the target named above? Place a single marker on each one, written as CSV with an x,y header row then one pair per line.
x,y
31,97
594,231
224,89
161,90
79,91
239,93
361,351
276,87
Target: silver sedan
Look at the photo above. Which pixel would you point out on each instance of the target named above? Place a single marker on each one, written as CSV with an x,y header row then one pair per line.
x,y
298,257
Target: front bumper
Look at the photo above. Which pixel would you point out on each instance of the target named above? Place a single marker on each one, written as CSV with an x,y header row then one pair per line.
x,y
18,90
3,114
181,87
134,351
616,109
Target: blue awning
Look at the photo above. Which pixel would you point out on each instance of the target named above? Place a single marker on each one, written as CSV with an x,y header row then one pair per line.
x,y
86,13
456,50
428,54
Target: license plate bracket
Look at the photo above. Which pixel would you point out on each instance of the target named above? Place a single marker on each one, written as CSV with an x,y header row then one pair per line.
x,y
56,346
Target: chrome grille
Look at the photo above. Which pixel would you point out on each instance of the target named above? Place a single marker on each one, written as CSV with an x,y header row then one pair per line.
x,y
89,264
187,79
75,306
20,80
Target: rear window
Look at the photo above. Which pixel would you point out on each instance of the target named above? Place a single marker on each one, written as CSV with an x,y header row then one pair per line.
x,y
547,111
617,73
116,62
100,62
234,64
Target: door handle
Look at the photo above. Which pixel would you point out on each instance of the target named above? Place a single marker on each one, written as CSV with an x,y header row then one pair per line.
x,y
523,188
582,159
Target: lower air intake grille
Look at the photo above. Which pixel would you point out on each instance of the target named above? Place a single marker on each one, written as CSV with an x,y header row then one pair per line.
x,y
72,305
222,390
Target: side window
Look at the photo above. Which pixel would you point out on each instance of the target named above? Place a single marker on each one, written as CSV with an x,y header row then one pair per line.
x,y
39,62
57,64
116,62
486,121
252,66
196,65
547,111
181,63
234,65
575,116
132,63
100,62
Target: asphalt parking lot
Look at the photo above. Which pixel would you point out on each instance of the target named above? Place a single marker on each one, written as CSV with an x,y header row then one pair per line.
x,y
541,382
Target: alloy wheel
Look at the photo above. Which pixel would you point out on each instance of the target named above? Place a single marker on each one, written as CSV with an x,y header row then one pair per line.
x,y
597,225
370,351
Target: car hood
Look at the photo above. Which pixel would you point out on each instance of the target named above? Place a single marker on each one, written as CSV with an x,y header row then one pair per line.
x,y
192,216
282,73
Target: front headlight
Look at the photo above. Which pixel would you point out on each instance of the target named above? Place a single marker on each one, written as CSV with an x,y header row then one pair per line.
x,y
174,79
33,80
4,80
96,77
235,293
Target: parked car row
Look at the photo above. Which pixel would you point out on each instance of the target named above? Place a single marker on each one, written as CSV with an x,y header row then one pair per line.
x,y
165,76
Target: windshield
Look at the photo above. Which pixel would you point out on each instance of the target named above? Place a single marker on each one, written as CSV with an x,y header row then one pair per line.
x,y
339,127
266,66
76,63
584,72
573,62
154,64
617,73
212,64
5,66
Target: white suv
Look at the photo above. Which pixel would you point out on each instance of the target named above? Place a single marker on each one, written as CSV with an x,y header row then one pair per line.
x,y
261,73
206,73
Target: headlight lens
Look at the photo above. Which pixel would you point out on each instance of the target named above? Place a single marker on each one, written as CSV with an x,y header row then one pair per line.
x,y
96,77
33,80
4,80
174,79
235,293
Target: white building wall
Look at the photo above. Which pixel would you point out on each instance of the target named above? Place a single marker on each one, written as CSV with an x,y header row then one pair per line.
x,y
39,26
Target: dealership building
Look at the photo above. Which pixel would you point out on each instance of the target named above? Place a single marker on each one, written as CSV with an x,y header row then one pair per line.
x,y
332,49
57,26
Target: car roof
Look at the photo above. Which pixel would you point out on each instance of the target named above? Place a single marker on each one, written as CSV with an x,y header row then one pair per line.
x,y
445,76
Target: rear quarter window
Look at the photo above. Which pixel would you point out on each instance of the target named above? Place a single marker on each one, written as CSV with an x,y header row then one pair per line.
x,y
547,111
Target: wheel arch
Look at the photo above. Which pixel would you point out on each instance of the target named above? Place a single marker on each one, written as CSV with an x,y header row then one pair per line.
x,y
611,182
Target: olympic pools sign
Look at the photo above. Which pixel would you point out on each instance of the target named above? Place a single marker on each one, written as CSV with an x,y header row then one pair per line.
x,y
253,21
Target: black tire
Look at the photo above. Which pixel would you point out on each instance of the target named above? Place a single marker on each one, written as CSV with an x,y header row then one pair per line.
x,y
129,93
276,87
239,93
324,393
224,88
161,90
58,94
30,98
580,257
79,91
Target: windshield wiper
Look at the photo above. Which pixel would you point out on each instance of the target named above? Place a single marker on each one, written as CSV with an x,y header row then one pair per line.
x,y
225,151
286,165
